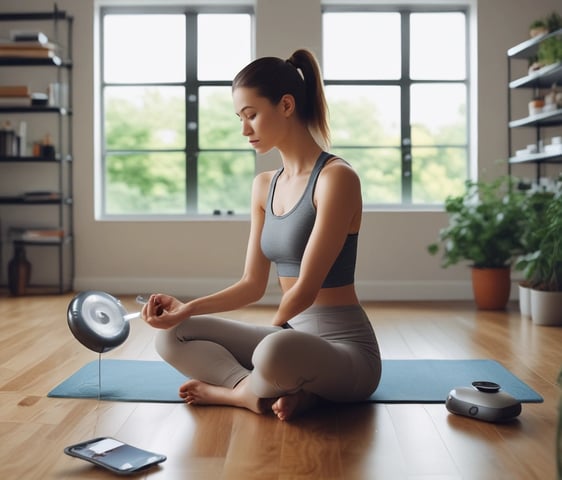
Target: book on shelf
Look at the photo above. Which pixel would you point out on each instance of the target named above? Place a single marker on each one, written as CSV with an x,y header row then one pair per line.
x,y
40,235
14,91
27,45
9,101
27,53
28,36
10,45
22,41
40,196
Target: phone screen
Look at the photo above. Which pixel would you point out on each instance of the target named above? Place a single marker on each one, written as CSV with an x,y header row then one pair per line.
x,y
115,454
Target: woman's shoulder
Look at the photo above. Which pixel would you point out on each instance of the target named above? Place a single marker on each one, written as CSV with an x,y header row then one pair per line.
x,y
264,178
262,182
338,170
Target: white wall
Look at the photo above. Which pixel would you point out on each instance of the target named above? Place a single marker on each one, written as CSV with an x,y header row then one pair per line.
x,y
195,257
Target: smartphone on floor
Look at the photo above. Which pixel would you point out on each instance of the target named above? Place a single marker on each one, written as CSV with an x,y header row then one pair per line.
x,y
114,455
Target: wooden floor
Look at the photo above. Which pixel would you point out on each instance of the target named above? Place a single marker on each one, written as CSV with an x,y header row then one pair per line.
x,y
367,441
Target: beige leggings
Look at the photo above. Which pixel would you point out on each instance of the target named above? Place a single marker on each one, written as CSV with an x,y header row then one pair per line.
x,y
330,351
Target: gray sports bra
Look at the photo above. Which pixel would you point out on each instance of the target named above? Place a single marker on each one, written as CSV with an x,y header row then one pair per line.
x,y
284,237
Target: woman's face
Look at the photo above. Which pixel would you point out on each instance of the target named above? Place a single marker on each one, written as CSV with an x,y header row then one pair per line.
x,y
262,122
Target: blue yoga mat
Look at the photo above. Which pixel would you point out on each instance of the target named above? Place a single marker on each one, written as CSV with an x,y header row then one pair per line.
x,y
403,381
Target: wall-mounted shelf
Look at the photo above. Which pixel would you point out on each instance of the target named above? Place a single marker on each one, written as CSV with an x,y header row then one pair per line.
x,y
529,48
20,200
544,119
541,79
31,62
32,159
537,158
34,109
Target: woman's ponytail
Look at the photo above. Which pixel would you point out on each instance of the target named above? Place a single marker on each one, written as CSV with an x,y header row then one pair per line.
x,y
314,110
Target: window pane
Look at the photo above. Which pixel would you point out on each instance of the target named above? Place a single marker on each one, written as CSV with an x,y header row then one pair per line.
x,y
144,118
379,170
225,181
438,114
437,172
438,46
145,184
361,45
219,127
144,48
222,59
365,116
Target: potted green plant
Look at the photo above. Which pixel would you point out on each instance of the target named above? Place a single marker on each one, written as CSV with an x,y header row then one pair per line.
x,y
543,267
533,209
537,27
550,50
484,229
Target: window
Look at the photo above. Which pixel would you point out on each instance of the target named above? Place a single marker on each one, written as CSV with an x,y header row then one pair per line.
x,y
397,88
170,141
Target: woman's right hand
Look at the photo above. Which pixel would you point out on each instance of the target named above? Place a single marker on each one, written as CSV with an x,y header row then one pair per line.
x,y
163,311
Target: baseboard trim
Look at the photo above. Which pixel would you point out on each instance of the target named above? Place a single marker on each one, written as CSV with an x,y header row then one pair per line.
x,y
367,291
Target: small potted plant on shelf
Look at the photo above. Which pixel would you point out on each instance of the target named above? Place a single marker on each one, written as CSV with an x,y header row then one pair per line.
x,y
550,50
543,267
538,27
485,227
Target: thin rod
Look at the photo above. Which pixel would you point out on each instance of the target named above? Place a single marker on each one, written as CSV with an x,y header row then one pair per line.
x,y
99,376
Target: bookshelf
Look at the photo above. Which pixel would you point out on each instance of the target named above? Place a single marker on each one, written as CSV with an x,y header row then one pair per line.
x,y
36,199
545,123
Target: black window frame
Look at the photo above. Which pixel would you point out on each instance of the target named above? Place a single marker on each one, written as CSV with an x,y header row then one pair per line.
x,y
191,86
405,82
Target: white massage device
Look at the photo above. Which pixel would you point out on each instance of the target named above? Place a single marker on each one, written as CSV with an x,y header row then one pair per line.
x,y
99,321
483,401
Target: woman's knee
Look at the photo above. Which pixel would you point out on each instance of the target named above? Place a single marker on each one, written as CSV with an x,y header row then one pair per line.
x,y
166,342
279,357
270,376
272,349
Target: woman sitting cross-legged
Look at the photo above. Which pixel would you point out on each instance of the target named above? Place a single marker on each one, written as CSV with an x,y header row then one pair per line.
x,y
305,218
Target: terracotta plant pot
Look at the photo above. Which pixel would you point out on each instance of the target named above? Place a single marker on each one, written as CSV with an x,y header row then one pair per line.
x,y
491,287
546,308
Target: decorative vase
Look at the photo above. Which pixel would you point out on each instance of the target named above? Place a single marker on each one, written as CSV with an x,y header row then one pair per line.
x,y
491,287
19,271
524,301
546,308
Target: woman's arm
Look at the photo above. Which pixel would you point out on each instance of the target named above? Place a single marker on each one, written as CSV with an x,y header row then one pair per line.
x,y
164,311
251,287
338,213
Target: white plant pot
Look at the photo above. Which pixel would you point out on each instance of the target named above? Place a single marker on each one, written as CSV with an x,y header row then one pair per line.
x,y
546,308
525,301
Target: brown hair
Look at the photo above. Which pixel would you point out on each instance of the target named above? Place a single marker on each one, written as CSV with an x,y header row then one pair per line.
x,y
298,76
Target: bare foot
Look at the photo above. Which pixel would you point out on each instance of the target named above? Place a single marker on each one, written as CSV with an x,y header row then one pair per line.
x,y
196,392
289,406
